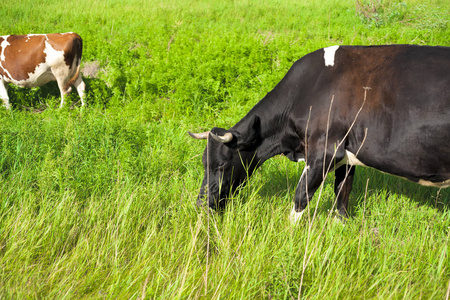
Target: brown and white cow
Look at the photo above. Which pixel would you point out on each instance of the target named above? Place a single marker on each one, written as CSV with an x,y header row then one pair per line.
x,y
35,59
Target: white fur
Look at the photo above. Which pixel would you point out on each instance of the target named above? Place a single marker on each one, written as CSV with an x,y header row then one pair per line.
x,y
441,185
350,159
4,94
4,44
295,216
3,90
329,55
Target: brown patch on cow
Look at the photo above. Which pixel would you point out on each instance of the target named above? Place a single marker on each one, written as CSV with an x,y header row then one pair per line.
x,y
70,43
369,63
58,41
23,55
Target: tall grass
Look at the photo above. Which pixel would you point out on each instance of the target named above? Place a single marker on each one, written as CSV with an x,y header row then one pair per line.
x,y
99,202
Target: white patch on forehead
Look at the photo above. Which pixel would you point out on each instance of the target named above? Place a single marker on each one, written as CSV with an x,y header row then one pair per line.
x,y
329,54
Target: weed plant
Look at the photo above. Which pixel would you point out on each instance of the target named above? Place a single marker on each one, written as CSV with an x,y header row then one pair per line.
x,y
98,202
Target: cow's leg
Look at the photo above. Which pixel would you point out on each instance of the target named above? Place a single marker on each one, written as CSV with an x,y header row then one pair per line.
x,y
80,86
62,99
343,186
61,85
4,93
317,166
309,182
61,75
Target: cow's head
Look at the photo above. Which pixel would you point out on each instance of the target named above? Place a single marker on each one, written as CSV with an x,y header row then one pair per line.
x,y
229,159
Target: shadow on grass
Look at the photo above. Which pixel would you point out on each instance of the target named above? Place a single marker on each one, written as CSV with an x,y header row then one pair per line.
x,y
33,98
282,182
392,185
39,98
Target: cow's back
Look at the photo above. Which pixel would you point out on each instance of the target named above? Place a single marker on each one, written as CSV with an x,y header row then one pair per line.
x,y
28,60
20,54
403,92
70,43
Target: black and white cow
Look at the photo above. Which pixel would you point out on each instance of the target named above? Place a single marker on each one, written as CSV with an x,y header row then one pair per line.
x,y
385,107
34,59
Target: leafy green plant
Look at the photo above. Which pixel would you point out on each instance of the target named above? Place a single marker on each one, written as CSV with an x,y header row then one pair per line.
x,y
98,202
380,12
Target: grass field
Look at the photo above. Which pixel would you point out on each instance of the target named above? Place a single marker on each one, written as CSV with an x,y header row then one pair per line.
x,y
99,202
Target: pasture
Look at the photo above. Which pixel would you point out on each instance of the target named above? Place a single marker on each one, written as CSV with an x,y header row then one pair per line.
x,y
99,202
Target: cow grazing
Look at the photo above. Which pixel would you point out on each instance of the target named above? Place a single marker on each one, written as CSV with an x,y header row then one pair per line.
x,y
385,107
35,59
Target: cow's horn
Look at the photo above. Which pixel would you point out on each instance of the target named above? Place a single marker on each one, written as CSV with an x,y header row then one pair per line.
x,y
227,137
199,136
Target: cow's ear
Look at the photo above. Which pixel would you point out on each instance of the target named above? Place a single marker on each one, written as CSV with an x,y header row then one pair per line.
x,y
245,138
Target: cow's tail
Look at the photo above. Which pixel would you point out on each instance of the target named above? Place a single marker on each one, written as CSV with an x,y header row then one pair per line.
x,y
78,49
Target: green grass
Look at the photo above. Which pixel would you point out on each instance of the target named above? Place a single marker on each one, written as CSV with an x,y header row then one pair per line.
x,y
99,202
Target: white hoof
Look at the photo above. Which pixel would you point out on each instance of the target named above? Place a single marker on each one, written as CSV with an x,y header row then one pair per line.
x,y
338,220
295,216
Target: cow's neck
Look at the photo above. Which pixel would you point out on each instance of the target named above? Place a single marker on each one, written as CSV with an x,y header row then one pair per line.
x,y
276,135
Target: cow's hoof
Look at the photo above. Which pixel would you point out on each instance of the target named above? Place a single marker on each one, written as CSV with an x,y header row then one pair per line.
x,y
337,220
295,216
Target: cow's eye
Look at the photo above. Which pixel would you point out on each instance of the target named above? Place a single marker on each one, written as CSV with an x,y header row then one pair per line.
x,y
222,166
